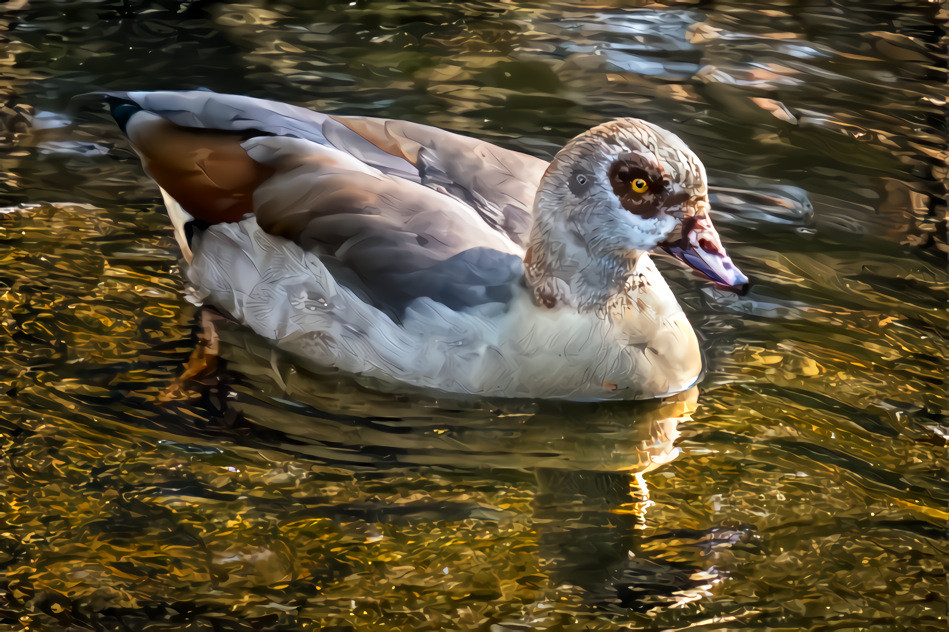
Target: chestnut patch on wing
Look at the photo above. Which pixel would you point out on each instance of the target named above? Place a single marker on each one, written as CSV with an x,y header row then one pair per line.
x,y
627,171
206,171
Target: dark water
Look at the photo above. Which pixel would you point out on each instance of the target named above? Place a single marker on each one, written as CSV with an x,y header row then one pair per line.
x,y
802,487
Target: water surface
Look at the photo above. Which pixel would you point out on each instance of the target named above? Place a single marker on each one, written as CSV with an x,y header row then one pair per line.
x,y
802,485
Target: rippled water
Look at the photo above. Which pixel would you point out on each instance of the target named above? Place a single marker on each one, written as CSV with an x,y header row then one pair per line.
x,y
801,486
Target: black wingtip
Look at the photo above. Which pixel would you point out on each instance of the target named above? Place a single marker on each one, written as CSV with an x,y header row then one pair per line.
x,y
122,111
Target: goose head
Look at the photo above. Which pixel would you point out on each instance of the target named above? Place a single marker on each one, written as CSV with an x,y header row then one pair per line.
x,y
612,193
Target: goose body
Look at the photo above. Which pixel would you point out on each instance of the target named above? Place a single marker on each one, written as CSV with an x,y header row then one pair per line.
x,y
407,255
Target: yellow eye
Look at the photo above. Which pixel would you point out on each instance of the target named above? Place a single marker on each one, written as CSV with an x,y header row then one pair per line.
x,y
639,185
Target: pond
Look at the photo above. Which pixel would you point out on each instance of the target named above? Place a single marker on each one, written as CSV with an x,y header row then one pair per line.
x,y
800,486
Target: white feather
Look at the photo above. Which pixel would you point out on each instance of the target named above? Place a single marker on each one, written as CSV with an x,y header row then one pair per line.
x,y
179,217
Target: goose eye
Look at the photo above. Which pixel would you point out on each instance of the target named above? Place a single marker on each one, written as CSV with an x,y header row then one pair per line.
x,y
639,185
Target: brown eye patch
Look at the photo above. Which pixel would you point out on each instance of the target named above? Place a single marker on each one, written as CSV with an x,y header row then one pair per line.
x,y
638,184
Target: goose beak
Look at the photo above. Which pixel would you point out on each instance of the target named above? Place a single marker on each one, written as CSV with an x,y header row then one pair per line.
x,y
700,247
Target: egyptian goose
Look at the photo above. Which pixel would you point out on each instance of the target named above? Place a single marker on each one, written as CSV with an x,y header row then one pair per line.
x,y
406,255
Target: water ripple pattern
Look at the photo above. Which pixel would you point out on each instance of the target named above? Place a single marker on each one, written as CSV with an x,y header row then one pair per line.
x,y
801,486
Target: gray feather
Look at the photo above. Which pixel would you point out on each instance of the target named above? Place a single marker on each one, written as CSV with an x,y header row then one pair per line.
x,y
399,210
497,183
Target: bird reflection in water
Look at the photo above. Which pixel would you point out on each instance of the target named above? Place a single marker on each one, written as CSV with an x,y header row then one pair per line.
x,y
588,460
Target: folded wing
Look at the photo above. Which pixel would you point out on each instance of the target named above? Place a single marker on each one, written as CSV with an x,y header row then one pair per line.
x,y
396,209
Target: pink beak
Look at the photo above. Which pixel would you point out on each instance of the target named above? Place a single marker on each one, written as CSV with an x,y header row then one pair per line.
x,y
700,248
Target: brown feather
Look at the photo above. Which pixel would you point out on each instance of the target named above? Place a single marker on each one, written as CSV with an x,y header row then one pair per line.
x,y
206,171
376,131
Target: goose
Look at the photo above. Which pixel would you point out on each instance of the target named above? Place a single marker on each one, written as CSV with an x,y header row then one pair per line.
x,y
409,257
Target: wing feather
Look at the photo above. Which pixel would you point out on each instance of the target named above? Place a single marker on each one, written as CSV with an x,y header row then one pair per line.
x,y
406,209
499,184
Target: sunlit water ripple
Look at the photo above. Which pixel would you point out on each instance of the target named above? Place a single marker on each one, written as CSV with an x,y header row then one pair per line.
x,y
802,485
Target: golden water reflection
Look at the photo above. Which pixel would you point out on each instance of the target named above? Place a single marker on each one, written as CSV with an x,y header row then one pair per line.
x,y
338,513
806,491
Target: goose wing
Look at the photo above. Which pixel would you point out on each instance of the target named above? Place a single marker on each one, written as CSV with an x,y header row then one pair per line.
x,y
498,183
398,210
